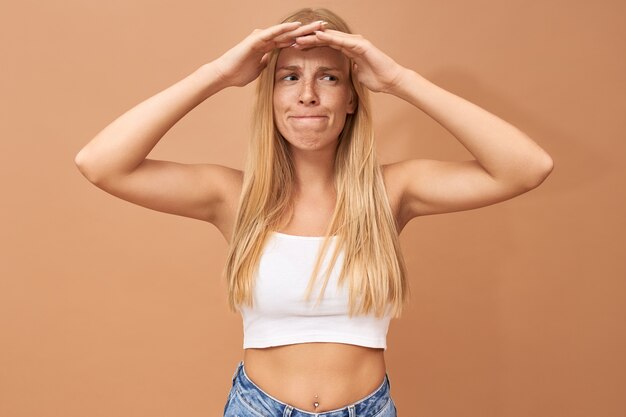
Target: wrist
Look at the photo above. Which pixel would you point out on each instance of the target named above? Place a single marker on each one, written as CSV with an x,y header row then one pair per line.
x,y
211,78
400,81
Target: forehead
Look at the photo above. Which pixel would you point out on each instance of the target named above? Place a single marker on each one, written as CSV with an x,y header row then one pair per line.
x,y
321,56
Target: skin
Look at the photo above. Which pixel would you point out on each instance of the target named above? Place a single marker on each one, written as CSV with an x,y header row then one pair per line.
x,y
305,90
307,368
506,163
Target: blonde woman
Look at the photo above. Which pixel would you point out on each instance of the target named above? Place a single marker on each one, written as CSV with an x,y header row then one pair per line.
x,y
313,221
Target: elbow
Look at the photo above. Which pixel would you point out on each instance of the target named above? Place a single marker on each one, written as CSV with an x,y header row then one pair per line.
x,y
78,161
540,172
81,163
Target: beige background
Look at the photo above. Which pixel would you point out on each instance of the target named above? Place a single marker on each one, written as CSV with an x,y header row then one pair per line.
x,y
111,309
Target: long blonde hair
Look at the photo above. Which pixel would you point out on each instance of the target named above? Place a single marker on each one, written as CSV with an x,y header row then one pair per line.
x,y
362,220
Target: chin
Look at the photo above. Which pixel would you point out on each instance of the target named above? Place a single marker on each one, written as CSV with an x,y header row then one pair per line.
x,y
312,144
311,141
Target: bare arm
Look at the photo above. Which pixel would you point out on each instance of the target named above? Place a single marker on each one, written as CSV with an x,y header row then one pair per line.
x,y
507,162
502,151
124,144
115,159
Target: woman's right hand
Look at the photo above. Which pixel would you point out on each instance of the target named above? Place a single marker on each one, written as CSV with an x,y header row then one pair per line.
x,y
244,62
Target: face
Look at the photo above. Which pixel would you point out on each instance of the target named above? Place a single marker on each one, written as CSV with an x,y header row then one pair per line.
x,y
312,96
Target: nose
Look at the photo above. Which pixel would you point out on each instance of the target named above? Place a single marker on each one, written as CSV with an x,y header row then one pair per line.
x,y
308,93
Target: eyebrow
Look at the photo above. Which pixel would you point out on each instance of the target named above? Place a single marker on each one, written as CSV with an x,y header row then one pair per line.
x,y
298,67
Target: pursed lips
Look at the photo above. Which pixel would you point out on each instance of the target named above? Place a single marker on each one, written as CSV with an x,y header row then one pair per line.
x,y
308,117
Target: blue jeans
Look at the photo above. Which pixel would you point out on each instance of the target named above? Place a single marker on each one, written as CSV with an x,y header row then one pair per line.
x,y
245,399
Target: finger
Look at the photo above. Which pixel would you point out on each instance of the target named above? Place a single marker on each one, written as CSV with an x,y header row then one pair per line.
x,y
273,31
342,39
284,44
287,42
285,39
340,33
310,40
324,36
262,39
301,31
315,40
305,44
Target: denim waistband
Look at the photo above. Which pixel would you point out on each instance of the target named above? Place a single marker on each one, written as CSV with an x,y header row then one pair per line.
x,y
366,406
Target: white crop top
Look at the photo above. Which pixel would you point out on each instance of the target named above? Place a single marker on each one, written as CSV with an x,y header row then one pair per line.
x,y
281,316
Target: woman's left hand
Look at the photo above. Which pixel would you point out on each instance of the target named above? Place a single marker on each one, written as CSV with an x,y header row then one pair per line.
x,y
373,68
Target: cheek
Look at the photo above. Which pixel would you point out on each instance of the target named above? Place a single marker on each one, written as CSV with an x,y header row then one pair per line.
x,y
340,99
280,99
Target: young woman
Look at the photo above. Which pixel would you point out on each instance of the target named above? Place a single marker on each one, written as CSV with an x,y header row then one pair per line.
x,y
313,213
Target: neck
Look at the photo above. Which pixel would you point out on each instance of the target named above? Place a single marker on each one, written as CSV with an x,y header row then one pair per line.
x,y
315,170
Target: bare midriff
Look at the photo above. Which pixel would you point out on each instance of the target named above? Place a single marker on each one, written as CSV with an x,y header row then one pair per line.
x,y
329,375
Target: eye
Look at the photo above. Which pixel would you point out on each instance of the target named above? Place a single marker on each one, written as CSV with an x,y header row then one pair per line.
x,y
333,78
290,75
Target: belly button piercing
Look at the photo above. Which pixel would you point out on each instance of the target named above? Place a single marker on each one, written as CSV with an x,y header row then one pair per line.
x,y
316,403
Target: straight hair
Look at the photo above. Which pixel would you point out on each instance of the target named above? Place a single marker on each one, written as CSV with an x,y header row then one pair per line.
x,y
362,220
